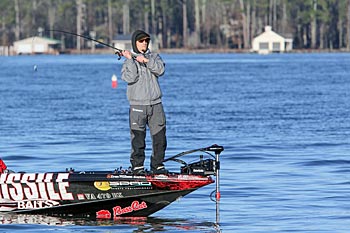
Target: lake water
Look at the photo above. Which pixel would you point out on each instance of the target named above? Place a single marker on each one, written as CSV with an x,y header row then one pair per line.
x,y
282,118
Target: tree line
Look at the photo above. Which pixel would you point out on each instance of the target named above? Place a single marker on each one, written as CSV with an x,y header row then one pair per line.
x,y
190,24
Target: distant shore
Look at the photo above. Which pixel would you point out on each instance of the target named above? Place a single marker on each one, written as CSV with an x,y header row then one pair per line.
x,y
211,50
190,51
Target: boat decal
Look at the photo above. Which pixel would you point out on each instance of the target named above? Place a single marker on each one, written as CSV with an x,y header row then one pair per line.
x,y
103,214
118,210
7,205
135,206
177,184
80,196
107,185
161,177
102,185
101,196
192,177
110,176
45,186
130,184
36,204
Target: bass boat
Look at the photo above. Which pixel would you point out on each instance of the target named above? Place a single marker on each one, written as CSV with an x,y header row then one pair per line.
x,y
106,194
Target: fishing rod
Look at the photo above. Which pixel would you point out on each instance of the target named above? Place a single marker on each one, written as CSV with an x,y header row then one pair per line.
x,y
118,51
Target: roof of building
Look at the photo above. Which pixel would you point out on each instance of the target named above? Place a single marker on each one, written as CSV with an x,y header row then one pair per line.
x,y
122,37
268,34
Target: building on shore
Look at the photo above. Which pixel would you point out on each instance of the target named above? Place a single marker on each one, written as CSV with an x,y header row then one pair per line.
x,y
271,42
36,45
122,41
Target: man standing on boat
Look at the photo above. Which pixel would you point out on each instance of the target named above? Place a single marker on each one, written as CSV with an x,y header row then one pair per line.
x,y
141,71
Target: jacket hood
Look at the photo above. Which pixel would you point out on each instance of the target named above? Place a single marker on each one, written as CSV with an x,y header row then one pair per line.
x,y
137,35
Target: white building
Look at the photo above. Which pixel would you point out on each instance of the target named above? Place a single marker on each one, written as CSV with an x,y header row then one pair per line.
x,y
269,42
36,45
122,42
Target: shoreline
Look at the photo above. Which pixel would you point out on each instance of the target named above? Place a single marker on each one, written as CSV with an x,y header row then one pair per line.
x,y
213,50
190,51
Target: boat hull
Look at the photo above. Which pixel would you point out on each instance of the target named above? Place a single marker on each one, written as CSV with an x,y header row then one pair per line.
x,y
100,195
105,195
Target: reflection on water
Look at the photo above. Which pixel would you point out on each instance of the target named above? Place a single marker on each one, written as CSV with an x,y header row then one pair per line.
x,y
150,224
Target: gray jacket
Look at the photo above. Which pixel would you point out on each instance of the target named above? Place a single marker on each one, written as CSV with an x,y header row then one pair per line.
x,y
143,87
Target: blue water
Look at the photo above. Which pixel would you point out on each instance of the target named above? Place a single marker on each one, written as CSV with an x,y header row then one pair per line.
x,y
283,120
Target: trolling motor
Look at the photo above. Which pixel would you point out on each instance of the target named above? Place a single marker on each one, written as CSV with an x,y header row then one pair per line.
x,y
217,149
205,167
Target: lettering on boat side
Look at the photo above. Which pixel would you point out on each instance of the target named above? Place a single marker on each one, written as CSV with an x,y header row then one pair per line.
x,y
98,196
193,177
124,184
135,206
34,186
130,183
110,176
118,210
37,204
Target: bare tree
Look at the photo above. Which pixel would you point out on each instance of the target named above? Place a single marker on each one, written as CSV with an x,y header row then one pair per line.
x,y
284,19
248,23
110,21
126,17
197,29
184,23
153,17
34,8
204,24
314,25
79,17
17,27
51,16
244,25
274,14
253,29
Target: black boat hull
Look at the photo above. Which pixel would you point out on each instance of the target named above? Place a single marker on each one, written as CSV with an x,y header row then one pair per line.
x,y
94,194
138,206
105,195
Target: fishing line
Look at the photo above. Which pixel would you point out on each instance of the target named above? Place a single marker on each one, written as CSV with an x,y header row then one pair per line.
x,y
118,51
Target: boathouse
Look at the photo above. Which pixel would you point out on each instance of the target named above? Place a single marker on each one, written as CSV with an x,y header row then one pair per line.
x,y
122,41
271,42
36,45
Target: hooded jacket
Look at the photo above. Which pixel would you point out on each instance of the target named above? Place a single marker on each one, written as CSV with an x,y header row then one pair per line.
x,y
142,78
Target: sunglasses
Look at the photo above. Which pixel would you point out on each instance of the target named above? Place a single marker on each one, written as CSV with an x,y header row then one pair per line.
x,y
143,40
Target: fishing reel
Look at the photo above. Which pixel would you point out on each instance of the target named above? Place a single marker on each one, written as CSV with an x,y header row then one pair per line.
x,y
118,52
